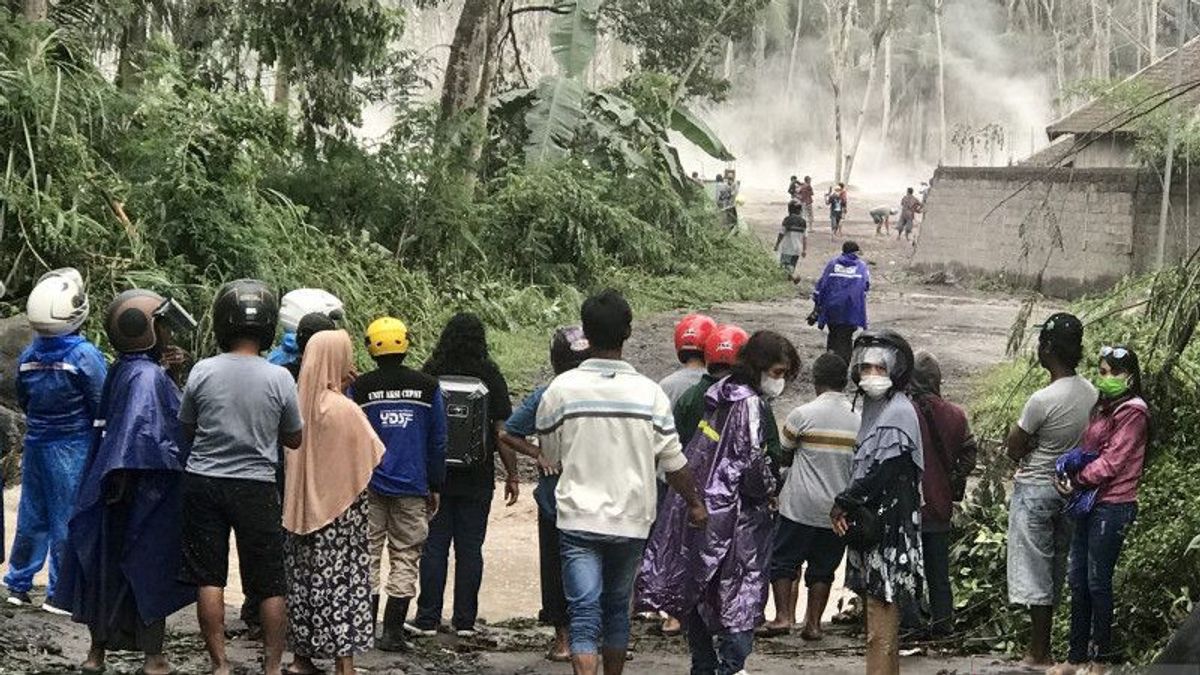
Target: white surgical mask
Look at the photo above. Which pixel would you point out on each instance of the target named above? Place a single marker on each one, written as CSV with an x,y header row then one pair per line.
x,y
875,386
772,387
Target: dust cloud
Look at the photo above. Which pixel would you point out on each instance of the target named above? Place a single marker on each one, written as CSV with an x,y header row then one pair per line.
x,y
998,95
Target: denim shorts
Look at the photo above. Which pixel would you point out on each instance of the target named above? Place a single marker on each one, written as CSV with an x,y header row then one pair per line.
x,y
1039,538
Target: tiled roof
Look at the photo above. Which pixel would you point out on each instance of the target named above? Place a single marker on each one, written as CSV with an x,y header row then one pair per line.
x,y
1053,154
1102,116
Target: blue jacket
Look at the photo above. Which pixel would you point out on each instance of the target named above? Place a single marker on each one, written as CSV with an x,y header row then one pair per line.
x,y
287,351
406,409
60,381
841,293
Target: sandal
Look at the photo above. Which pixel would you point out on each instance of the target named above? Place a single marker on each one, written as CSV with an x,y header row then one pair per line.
x,y
555,657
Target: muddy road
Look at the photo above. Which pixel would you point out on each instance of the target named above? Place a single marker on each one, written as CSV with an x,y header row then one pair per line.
x,y
966,329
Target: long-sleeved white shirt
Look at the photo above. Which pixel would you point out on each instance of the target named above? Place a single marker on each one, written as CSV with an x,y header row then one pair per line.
x,y
610,427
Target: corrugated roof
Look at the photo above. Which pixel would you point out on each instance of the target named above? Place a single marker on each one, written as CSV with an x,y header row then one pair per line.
x,y
1101,116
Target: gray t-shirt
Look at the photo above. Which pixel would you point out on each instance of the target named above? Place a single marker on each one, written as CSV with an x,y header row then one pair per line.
x,y
1056,416
239,406
677,383
823,433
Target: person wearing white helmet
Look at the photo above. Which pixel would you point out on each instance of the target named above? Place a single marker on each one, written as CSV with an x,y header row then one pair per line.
x,y
293,307
60,379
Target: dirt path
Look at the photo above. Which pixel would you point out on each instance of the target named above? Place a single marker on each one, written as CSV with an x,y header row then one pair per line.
x,y
966,329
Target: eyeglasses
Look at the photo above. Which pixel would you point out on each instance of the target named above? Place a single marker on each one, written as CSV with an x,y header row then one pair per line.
x,y
1115,352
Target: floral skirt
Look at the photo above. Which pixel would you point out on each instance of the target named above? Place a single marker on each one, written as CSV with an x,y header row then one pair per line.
x,y
329,587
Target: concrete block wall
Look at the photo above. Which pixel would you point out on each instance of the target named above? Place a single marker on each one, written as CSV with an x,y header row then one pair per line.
x,y
1068,231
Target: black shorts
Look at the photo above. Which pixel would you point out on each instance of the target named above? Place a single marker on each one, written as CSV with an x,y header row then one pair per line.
x,y
817,548
252,509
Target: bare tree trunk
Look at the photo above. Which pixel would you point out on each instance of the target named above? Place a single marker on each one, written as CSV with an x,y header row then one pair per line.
x,y
795,46
1152,30
839,12
132,50
468,52
702,54
282,95
1141,31
35,10
883,24
885,123
938,6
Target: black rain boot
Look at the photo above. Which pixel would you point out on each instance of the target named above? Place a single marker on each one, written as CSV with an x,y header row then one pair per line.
x,y
374,612
393,626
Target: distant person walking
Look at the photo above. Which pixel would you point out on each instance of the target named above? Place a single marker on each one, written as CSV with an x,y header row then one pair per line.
x,y
326,514
840,299
836,199
792,242
910,206
804,195
608,428
1039,532
1113,453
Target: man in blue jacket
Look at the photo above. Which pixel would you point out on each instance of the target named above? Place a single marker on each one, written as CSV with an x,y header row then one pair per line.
x,y
60,380
840,297
406,409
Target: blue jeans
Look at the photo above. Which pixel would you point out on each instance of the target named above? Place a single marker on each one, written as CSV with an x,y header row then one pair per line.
x,y
598,574
726,657
1094,552
463,521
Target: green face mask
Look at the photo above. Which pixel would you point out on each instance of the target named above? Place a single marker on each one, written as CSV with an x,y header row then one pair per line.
x,y
1112,386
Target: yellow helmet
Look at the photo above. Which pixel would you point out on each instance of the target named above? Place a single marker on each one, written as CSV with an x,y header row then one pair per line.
x,y
387,336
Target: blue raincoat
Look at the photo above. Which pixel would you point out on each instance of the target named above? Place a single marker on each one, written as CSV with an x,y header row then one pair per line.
x,y
841,293
721,571
59,384
286,352
123,548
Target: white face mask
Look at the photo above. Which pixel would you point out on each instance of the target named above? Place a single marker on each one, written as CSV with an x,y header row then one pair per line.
x,y
875,386
772,387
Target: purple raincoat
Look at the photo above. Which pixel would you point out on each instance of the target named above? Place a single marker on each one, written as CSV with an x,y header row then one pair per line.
x,y
721,571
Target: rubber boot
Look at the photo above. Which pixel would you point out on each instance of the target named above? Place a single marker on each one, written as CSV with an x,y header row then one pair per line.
x,y
393,626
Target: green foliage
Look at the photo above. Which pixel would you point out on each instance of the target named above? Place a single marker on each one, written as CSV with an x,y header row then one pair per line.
x,y
683,38
179,187
1157,577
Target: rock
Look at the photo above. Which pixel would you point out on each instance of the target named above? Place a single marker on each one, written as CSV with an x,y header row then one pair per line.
x,y
15,335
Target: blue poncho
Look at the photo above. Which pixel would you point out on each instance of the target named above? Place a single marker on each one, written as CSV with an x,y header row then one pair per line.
x,y
123,548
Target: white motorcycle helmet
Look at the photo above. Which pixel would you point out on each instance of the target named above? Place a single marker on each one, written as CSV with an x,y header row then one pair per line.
x,y
58,304
303,301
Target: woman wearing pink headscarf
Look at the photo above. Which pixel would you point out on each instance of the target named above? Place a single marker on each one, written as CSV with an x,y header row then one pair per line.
x,y
325,514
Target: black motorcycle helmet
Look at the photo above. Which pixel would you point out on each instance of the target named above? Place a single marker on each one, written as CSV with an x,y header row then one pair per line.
x,y
900,372
246,308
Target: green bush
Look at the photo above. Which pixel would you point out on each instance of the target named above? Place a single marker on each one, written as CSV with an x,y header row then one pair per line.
x,y
177,187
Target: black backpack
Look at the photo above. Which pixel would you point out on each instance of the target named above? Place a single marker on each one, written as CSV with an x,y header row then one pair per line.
x,y
468,436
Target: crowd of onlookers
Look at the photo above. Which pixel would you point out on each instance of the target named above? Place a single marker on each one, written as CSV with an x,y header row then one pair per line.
x,y
682,498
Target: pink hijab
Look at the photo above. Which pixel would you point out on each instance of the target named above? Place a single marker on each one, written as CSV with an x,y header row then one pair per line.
x,y
340,450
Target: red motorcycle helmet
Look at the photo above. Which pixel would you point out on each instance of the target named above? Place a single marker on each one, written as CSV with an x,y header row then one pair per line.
x,y
724,344
691,334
